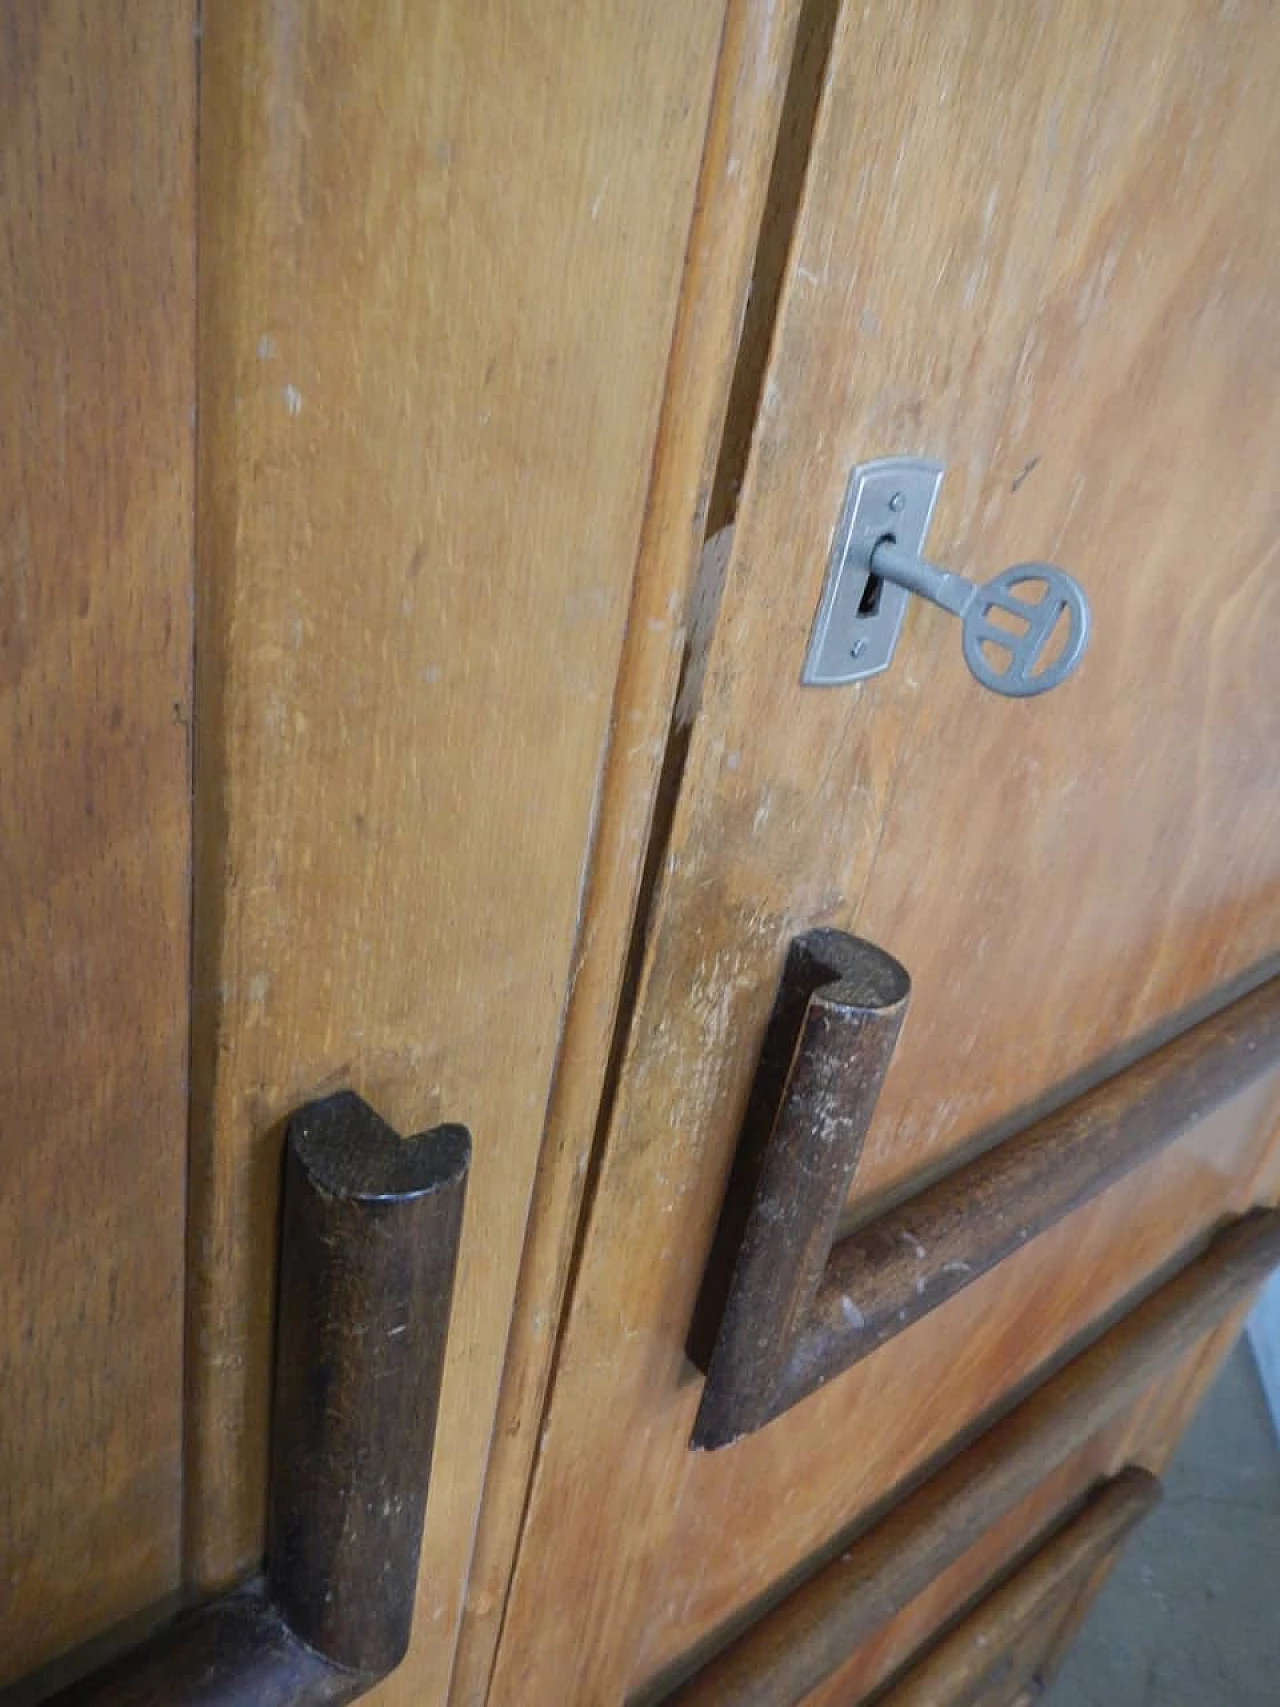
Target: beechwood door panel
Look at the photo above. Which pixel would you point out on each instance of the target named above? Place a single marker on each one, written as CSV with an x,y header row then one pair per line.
x,y
97,399
1039,245
440,258
439,261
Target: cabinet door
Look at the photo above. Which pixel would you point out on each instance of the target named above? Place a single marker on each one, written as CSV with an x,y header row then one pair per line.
x,y
440,254
97,399
1037,244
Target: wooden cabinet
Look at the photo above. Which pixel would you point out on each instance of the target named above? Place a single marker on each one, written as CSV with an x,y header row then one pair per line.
x,y
425,432
1031,245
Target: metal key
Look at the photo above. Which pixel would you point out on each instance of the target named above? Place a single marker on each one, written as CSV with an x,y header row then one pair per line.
x,y
1024,631
1007,657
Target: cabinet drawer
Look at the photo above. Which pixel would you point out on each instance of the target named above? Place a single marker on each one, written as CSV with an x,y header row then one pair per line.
x,y
1002,1652
869,1577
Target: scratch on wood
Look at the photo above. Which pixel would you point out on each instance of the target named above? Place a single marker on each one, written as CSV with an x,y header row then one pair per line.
x,y
1026,469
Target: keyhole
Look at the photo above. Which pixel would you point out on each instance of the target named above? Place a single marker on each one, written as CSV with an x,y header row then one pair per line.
x,y
869,603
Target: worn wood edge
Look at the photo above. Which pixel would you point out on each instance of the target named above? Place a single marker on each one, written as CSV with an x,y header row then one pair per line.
x,y
211,744
830,1041
795,1646
354,1190
733,179
898,1268
963,1655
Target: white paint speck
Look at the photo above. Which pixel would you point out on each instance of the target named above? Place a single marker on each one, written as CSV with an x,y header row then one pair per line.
x,y
851,1313
266,348
293,399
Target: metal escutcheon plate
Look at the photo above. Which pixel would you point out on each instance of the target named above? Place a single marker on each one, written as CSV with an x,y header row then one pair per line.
x,y
894,496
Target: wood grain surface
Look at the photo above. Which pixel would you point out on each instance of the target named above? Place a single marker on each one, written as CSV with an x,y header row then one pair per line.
x,y
97,350
750,80
1145,1433
1058,276
999,1647
902,1638
784,1655
441,249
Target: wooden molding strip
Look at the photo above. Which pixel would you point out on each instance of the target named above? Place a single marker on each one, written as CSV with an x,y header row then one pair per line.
x,y
369,1246
789,1651
980,1651
792,1309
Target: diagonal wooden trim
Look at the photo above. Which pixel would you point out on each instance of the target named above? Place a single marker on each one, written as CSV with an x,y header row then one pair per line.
x,y
788,1652
838,1302
1039,1593
368,1251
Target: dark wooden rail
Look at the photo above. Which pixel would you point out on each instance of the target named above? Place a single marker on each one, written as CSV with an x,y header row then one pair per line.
x,y
789,1651
369,1245
784,1308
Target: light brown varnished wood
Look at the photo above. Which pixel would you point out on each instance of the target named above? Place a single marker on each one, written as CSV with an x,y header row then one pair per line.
x,y
750,79
1011,247
784,1655
97,305
903,1637
441,248
1145,1434
999,1648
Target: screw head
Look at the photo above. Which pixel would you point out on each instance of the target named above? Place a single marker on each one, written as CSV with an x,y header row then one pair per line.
x,y
898,502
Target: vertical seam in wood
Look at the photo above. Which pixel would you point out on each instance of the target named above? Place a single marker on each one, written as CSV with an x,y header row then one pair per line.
x,y
657,827
185,1437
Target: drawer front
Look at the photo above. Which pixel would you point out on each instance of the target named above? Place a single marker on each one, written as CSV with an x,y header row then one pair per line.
x,y
872,1575
1003,1651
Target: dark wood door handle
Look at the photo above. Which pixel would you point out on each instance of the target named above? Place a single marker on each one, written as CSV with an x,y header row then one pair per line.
x,y
369,1247
786,1305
